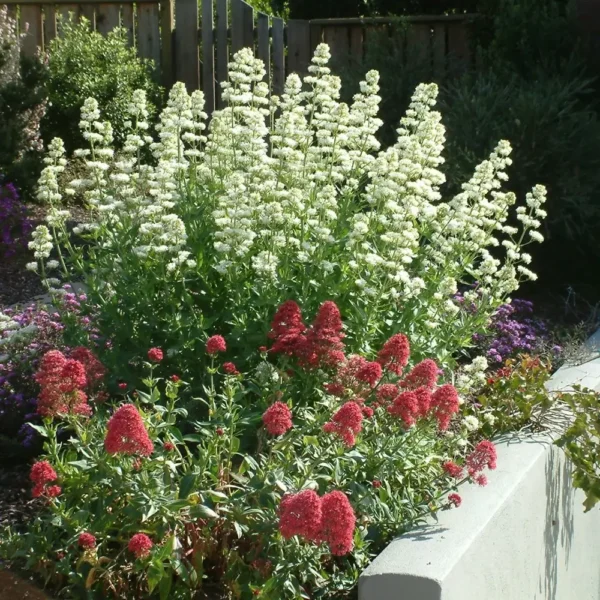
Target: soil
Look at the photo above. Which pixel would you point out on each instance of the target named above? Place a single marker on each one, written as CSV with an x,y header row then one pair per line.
x,y
13,587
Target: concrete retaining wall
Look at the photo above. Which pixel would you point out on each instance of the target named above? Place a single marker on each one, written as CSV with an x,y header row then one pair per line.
x,y
523,537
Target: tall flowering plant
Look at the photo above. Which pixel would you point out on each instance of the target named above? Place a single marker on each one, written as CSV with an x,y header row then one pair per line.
x,y
282,197
347,452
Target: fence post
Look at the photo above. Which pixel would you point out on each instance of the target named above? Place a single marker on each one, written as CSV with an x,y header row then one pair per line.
x,y
187,61
167,25
588,13
208,56
298,41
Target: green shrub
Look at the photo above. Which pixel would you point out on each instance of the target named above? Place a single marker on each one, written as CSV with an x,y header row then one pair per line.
x,y
555,134
226,226
22,105
84,63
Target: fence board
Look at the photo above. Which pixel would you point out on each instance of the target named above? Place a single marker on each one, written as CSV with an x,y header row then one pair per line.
x,y
127,21
167,25
298,46
186,44
11,11
107,17
438,48
356,43
278,56
458,44
49,24
264,46
338,38
222,47
418,43
32,16
148,32
242,25
316,37
208,55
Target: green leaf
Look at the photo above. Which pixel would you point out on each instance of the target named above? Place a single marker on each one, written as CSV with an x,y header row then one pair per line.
x,y
202,511
188,482
165,587
84,465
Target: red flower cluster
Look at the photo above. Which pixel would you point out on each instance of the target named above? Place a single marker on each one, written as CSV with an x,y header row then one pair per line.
x,y
338,523
444,404
370,373
394,354
61,380
324,338
86,541
328,519
484,455
320,346
287,330
405,406
94,369
455,499
41,475
277,418
452,469
386,393
424,374
346,422
230,368
126,433
169,446
300,514
216,344
140,545
155,355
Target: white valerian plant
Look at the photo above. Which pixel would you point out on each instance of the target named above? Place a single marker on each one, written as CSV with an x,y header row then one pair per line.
x,y
290,197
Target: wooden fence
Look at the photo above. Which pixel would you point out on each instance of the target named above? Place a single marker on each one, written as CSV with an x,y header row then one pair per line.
x,y
193,40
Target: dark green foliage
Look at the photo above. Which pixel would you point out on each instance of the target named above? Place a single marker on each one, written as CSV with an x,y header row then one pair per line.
x,y
84,63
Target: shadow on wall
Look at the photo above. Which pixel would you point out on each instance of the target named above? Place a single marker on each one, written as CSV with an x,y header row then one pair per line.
x,y
558,531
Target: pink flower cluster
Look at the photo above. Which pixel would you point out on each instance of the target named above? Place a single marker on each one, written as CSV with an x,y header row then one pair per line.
x,y
318,346
127,434
140,545
277,419
41,474
328,519
484,455
346,422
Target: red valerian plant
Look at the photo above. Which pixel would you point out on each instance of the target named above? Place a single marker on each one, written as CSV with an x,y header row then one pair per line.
x,y
348,440
126,433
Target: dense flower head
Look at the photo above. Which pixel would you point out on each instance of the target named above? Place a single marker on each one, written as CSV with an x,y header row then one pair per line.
x,y
94,369
300,514
324,336
126,433
387,392
346,422
52,491
169,446
287,330
277,418
42,472
86,540
481,479
230,368
370,373
338,523
347,380
406,407
424,399
61,381
216,344
155,355
452,469
140,545
455,499
394,354
424,374
444,403
484,455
